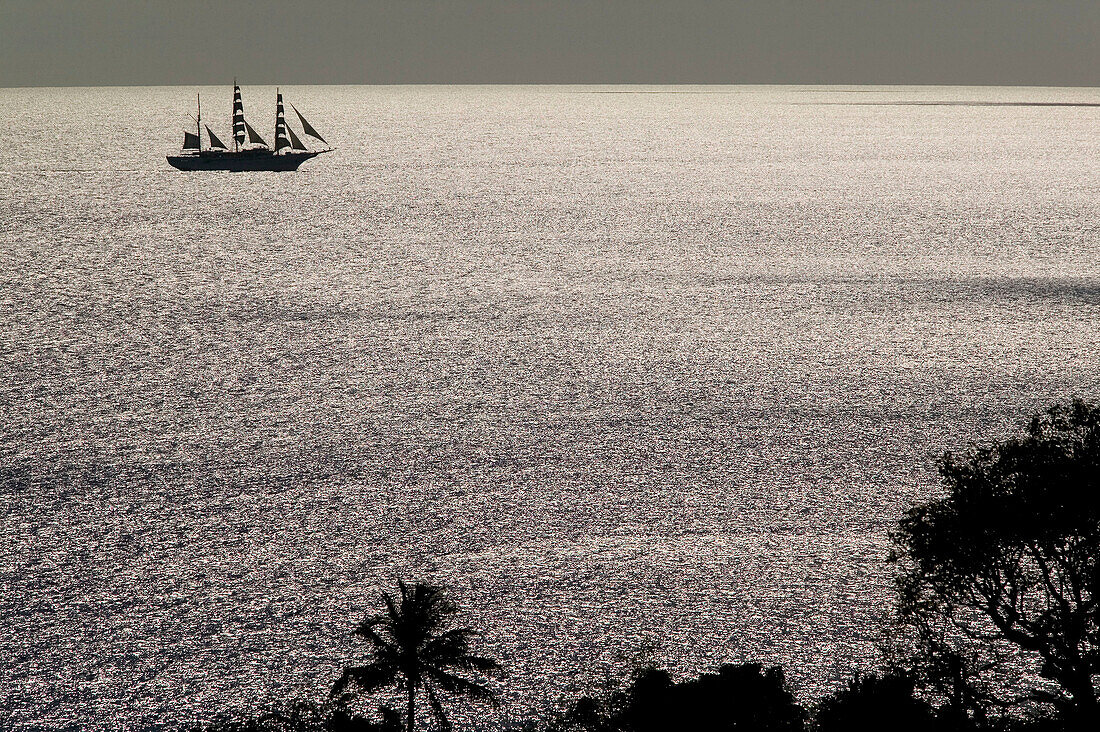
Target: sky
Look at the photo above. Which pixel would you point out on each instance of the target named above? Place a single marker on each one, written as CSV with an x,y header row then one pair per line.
x,y
139,42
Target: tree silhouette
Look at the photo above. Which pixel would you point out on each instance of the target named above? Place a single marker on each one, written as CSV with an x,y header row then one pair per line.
x,y
872,702
1010,557
738,697
412,648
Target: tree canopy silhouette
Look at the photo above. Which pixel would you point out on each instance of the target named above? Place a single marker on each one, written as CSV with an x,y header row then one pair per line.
x,y
872,702
1011,557
414,649
738,697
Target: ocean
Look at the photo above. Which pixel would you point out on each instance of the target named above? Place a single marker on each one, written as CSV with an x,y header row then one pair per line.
x,y
640,374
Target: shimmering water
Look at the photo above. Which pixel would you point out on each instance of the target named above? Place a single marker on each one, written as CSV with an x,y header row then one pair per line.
x,y
632,373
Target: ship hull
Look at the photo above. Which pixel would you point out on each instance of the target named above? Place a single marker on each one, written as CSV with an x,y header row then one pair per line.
x,y
240,162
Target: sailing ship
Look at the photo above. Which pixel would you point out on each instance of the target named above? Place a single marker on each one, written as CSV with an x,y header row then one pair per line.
x,y
250,150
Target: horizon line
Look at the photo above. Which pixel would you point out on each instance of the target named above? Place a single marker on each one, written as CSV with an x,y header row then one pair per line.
x,y
952,85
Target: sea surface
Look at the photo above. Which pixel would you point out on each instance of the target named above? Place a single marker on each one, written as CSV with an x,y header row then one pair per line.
x,y
637,373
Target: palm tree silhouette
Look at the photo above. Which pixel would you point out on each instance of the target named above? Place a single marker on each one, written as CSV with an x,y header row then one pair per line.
x,y
412,648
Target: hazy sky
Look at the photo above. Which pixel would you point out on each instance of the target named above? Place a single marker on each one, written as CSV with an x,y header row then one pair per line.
x,y
48,42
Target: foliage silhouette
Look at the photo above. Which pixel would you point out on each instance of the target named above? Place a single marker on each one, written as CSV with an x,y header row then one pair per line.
x,y
1007,565
746,698
873,702
412,648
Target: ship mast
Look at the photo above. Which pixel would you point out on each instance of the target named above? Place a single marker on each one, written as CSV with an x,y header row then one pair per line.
x,y
198,120
233,117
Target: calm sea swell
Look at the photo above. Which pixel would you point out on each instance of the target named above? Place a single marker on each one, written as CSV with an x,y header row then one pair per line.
x,y
633,374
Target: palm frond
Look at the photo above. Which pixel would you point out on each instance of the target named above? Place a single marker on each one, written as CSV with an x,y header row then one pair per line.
x,y
367,678
382,646
477,663
457,685
372,621
441,720
393,615
452,643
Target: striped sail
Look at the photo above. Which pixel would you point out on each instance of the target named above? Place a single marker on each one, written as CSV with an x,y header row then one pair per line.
x,y
238,117
281,139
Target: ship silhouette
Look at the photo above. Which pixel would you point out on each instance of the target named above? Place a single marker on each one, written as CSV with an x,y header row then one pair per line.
x,y
250,151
